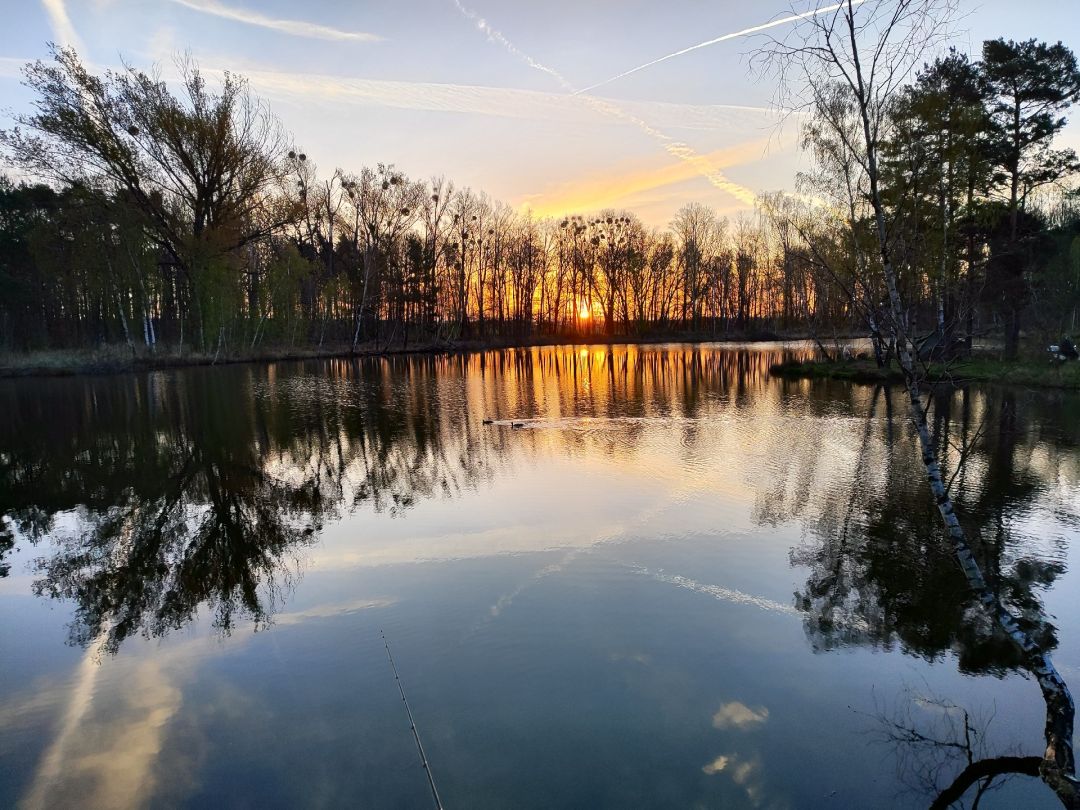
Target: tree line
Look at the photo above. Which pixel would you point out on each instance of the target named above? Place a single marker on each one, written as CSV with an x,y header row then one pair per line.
x,y
983,228
189,220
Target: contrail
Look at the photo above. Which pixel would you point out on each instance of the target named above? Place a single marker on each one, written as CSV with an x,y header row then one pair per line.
x,y
60,23
717,591
673,147
496,36
745,32
298,28
82,697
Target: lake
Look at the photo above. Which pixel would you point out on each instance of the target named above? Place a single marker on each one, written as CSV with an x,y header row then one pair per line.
x,y
681,582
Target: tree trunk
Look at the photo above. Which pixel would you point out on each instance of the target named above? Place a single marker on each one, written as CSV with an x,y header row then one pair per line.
x,y
1058,767
1012,334
124,324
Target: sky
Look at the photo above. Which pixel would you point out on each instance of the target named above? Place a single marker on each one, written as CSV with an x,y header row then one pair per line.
x,y
483,91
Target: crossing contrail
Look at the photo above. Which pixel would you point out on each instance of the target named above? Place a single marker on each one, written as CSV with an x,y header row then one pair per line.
x,y
735,35
718,591
673,147
496,36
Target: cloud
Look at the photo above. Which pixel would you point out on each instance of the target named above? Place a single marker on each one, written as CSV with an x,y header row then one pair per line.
x,y
746,773
740,716
298,28
329,611
677,149
503,102
106,750
114,723
635,657
61,25
717,765
613,188
673,147
12,68
550,108
78,707
305,89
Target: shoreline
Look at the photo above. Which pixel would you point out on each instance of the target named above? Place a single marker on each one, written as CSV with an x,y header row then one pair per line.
x,y
978,369
119,360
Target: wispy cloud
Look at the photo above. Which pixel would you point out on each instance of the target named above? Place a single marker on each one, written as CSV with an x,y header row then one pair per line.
x,y
78,707
501,102
115,715
11,67
299,28
620,184
466,99
678,149
755,29
61,25
673,147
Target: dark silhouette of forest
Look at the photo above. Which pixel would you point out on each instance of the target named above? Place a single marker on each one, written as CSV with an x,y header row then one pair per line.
x,y
182,218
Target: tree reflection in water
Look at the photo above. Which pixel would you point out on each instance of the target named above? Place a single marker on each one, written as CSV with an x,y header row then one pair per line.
x,y
881,573
154,498
162,494
942,750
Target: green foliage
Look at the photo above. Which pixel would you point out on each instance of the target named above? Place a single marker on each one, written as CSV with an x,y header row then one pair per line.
x,y
965,150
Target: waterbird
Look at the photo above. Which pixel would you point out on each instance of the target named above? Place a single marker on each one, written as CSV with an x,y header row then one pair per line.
x,y
488,421
517,424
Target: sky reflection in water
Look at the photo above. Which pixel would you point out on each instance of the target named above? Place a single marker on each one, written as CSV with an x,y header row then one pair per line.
x,y
681,583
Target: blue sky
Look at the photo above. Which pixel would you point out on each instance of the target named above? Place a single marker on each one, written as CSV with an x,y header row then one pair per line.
x,y
422,84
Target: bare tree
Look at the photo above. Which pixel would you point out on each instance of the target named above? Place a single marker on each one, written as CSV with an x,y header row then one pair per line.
x,y
870,49
201,168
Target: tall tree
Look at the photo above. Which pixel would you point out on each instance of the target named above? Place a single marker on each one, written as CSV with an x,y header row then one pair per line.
x,y
869,49
1033,84
201,168
939,154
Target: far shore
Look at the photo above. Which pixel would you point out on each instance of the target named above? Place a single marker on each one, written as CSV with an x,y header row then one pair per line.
x,y
983,367
119,359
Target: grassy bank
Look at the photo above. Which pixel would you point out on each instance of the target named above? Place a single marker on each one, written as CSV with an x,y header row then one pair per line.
x,y
117,359
1033,373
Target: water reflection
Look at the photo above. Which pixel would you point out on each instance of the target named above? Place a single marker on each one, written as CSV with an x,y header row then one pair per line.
x,y
943,750
880,570
149,501
882,573
162,494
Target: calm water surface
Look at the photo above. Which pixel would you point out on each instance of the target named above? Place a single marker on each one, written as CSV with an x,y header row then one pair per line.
x,y
682,583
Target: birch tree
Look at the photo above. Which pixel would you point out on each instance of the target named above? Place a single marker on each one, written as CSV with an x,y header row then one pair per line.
x,y
870,49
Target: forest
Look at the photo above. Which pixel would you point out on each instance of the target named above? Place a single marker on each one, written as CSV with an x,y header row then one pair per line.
x,y
183,219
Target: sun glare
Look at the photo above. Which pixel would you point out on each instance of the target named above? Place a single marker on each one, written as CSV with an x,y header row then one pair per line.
x,y
584,312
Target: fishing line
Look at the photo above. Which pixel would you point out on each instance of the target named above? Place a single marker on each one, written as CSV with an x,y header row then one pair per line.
x,y
412,724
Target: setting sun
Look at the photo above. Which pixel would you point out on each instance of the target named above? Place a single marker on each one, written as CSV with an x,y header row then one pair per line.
x,y
584,312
